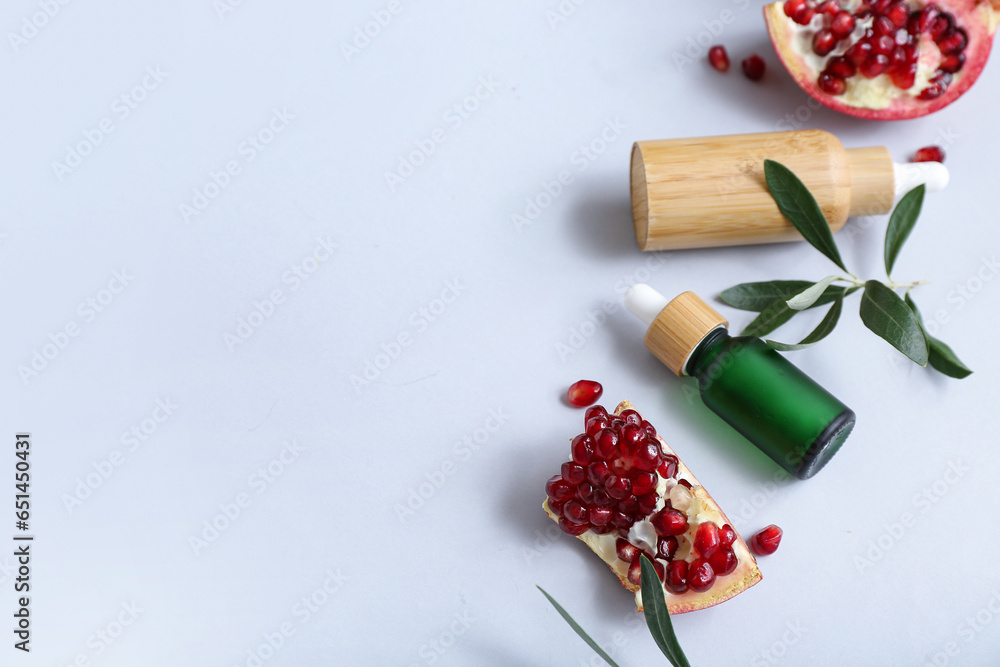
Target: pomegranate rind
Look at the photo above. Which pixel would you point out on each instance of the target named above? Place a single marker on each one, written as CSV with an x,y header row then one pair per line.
x,y
728,586
980,20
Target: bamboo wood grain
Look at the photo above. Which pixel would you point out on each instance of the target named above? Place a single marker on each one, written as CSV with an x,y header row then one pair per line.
x,y
679,328
710,191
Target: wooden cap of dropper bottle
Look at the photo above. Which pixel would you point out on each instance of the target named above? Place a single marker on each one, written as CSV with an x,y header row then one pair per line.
x,y
710,191
679,328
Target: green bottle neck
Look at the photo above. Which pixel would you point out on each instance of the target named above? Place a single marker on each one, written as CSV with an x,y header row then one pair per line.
x,y
706,351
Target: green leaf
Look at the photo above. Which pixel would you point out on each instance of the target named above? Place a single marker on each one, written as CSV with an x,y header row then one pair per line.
x,y
770,319
654,607
580,631
801,208
758,296
940,357
889,317
821,331
904,216
809,296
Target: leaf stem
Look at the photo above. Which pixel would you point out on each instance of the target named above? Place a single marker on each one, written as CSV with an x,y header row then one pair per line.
x,y
891,284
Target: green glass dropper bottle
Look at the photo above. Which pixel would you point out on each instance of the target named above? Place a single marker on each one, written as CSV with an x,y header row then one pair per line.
x,y
751,386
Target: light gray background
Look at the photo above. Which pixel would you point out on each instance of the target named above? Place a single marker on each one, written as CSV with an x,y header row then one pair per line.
x,y
453,583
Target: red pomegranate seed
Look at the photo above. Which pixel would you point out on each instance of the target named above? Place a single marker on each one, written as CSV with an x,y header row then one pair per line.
x,y
939,25
929,154
701,576
666,547
626,550
595,411
643,482
647,456
631,417
574,473
936,88
718,58
584,392
618,487
571,528
558,489
753,67
859,53
635,570
953,42
606,444
621,520
830,84
904,76
899,14
684,482
727,535
575,512
897,58
632,437
766,541
882,26
793,7
927,15
842,25
829,8
883,45
668,469
648,428
724,561
602,530
706,539
874,66
647,503
676,576
602,499
596,424
583,449
556,506
585,493
629,505
669,521
597,472
841,67
823,42
881,6
599,516
952,63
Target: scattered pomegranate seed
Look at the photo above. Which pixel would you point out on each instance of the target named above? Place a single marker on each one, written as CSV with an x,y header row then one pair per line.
x,y
929,154
718,58
766,541
753,67
584,393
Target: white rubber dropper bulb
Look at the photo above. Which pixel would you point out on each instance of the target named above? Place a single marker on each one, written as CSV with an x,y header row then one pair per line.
x,y
644,302
908,176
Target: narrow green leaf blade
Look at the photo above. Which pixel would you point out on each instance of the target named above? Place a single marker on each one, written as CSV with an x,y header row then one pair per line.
x,y
901,223
770,319
940,357
801,208
810,295
822,330
888,316
654,607
576,628
758,296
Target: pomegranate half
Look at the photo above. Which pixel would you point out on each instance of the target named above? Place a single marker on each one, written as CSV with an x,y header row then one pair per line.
x,y
624,492
883,59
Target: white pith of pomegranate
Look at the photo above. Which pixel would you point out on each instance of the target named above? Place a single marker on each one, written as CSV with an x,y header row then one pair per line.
x,y
883,59
625,492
